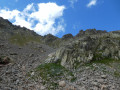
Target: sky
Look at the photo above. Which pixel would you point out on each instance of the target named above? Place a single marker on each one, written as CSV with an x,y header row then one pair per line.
x,y
59,17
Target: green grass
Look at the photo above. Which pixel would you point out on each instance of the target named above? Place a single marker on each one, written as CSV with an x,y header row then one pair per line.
x,y
51,73
109,63
51,70
55,43
117,74
106,61
21,40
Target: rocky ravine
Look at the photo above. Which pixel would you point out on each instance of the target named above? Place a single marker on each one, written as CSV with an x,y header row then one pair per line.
x,y
88,61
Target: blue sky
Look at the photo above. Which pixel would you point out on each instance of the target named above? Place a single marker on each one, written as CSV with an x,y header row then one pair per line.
x,y
60,17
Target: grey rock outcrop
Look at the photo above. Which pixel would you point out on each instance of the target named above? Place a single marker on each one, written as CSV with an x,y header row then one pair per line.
x,y
67,36
49,38
90,32
85,50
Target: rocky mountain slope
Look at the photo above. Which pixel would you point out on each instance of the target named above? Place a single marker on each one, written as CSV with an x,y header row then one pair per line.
x,y
88,61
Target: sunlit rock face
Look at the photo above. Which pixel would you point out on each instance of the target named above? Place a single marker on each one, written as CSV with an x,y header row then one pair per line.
x,y
87,49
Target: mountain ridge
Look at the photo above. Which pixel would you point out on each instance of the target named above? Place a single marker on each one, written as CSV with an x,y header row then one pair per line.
x,y
21,35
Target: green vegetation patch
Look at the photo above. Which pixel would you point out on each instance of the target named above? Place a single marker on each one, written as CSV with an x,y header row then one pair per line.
x,y
21,40
112,64
52,73
106,61
50,70
117,74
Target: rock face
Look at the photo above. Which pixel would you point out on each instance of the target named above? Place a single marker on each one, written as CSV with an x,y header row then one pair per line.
x,y
67,36
90,32
4,23
49,38
87,49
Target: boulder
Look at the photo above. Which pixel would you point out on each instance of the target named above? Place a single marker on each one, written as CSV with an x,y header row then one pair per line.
x,y
4,60
103,76
62,84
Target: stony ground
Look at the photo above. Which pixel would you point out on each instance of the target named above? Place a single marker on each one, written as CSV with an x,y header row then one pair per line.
x,y
23,59
21,73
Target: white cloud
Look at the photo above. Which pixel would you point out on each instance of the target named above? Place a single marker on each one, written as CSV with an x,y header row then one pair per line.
x,y
92,3
72,2
43,18
5,13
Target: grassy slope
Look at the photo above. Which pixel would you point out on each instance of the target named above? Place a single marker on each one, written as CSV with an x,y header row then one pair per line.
x,y
22,39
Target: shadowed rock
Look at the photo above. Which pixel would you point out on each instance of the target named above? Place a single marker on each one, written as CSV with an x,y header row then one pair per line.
x,y
4,60
67,36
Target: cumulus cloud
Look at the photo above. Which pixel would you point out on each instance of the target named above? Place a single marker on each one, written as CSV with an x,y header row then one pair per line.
x,y
43,18
92,3
72,2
